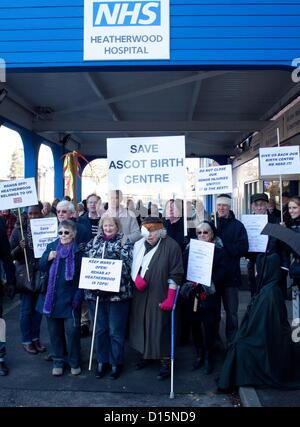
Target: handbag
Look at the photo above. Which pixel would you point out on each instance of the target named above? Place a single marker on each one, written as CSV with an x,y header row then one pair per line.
x,y
38,280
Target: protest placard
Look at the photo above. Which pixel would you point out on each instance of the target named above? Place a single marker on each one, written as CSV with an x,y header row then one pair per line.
x,y
254,225
138,163
279,161
18,193
100,274
44,231
214,180
200,262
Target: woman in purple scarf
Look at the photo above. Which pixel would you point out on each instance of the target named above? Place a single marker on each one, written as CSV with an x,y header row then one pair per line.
x,y
62,302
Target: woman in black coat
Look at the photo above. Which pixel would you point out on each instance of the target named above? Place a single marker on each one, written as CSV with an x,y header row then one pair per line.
x,y
294,224
205,301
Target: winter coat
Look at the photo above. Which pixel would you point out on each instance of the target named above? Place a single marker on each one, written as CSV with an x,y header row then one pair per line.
x,y
18,253
65,291
235,241
261,351
5,256
90,224
117,248
150,327
212,301
176,231
294,225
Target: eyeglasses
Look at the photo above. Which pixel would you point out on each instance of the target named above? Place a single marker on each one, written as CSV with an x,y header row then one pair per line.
x,y
202,232
63,211
66,232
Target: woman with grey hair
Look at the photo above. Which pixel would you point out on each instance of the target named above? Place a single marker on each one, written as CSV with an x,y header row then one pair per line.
x,y
110,243
157,270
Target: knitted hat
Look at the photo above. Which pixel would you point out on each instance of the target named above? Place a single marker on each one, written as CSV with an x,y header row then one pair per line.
x,y
224,199
153,223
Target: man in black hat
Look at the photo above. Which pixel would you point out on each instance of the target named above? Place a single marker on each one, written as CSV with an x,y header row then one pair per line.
x,y
235,241
259,206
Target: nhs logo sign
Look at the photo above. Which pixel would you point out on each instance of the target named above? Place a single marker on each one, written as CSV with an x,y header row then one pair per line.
x,y
127,13
126,30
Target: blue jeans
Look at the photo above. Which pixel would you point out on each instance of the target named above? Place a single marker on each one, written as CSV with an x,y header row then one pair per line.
x,y
110,330
61,331
30,319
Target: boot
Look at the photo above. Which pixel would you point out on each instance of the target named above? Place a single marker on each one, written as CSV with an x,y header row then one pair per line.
x,y
3,369
198,362
208,363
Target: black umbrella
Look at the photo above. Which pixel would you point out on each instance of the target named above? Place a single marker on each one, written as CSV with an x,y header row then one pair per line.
x,y
284,234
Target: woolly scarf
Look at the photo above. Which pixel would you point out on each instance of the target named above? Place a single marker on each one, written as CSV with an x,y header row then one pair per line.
x,y
62,252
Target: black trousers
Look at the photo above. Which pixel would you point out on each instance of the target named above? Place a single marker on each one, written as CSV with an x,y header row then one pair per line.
x,y
204,329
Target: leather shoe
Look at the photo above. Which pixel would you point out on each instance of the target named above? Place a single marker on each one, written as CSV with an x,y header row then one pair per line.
x,y
199,361
40,348
115,372
3,369
141,364
164,372
101,369
48,358
30,348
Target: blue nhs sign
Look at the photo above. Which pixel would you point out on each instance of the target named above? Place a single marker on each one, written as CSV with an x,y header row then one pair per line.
x,y
126,13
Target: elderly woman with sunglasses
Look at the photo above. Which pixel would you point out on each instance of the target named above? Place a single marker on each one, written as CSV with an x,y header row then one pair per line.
x,y
205,301
62,302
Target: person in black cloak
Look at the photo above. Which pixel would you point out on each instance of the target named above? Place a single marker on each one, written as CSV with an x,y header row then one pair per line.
x,y
261,352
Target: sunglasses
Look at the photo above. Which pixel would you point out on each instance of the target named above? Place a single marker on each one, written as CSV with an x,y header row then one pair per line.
x,y
202,232
66,232
63,211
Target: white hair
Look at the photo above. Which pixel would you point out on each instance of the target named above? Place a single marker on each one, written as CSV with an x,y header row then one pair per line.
x,y
66,205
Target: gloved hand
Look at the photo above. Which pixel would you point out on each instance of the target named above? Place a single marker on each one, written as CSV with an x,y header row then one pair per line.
x,y
168,303
140,283
76,304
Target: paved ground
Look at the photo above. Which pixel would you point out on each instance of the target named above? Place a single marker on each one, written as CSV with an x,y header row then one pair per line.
x,y
30,382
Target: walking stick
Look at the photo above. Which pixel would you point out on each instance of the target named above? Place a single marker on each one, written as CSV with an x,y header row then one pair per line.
x,y
94,330
95,320
172,343
25,253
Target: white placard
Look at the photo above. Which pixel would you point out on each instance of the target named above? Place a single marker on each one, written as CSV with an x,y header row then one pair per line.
x,y
18,193
254,224
100,274
156,163
214,180
126,30
44,231
201,256
279,161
